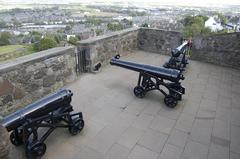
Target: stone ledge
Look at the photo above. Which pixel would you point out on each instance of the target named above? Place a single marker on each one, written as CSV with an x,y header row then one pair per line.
x,y
154,29
39,56
110,35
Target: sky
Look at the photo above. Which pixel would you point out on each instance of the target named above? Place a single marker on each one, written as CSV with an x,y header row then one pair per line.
x,y
157,2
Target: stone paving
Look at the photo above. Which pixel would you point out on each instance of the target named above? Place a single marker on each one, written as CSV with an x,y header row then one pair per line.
x,y
204,125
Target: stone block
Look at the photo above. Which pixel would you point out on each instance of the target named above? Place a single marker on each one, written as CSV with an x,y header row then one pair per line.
x,y
234,155
218,152
106,138
153,140
235,140
6,87
178,138
185,122
142,122
49,80
4,143
117,152
171,152
88,153
163,124
195,150
140,152
40,73
18,93
221,129
130,137
7,99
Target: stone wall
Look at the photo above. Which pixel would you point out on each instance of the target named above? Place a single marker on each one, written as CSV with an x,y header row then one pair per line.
x,y
222,49
103,48
28,78
158,41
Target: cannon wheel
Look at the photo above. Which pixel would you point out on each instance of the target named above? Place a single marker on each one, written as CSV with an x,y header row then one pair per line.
x,y
77,126
139,92
176,95
170,101
35,150
15,138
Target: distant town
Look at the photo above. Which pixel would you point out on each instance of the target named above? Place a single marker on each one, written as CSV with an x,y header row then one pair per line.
x,y
23,27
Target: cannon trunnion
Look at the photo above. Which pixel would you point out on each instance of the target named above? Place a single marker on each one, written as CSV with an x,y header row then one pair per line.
x,y
154,78
178,59
32,124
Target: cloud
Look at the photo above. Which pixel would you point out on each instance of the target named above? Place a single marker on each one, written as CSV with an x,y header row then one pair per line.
x,y
152,2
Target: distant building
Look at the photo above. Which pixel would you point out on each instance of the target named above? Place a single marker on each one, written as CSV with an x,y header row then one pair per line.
x,y
213,24
120,18
69,36
16,33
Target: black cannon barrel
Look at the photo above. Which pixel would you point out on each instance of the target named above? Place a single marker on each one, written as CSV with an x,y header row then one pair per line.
x,y
180,49
161,72
44,106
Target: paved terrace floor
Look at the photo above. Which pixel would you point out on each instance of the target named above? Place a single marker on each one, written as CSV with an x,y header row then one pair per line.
x,y
204,125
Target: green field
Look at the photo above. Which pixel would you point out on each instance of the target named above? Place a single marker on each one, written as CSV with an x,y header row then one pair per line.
x,y
9,48
13,51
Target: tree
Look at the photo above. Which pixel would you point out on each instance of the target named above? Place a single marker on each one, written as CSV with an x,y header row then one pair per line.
x,y
93,20
194,26
45,43
2,24
189,20
68,28
35,38
206,31
144,25
16,22
5,38
73,40
98,32
127,23
35,33
222,18
114,26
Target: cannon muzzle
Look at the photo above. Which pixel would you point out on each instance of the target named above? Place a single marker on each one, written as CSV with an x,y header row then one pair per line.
x,y
180,49
160,72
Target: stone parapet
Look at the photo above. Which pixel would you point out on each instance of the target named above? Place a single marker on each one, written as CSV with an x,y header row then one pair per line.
x,y
29,78
103,48
222,49
158,41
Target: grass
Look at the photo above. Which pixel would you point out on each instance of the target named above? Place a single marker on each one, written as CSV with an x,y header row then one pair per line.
x,y
9,48
13,51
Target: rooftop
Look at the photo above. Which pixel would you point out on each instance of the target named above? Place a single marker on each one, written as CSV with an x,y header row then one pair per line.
x,y
204,125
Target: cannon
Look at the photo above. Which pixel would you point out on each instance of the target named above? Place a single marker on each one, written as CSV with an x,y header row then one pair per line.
x,y
154,78
178,59
32,124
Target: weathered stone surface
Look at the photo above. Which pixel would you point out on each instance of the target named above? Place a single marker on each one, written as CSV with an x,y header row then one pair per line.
x,y
40,73
223,49
32,86
31,77
49,80
7,98
4,143
103,48
158,41
6,87
18,93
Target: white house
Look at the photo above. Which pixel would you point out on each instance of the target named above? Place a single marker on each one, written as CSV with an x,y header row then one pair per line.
x,y
213,24
69,36
119,18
